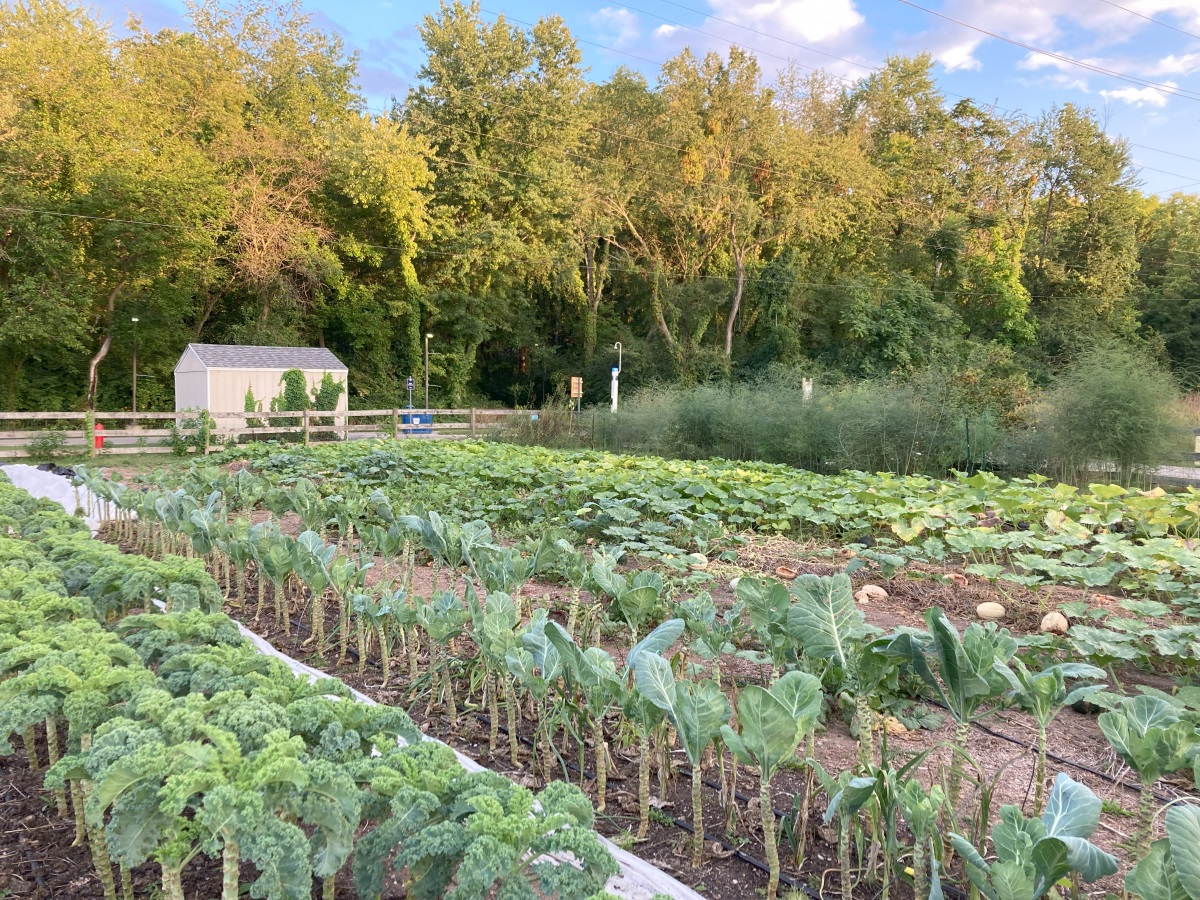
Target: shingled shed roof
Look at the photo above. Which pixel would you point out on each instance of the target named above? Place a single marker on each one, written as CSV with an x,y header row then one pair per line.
x,y
240,356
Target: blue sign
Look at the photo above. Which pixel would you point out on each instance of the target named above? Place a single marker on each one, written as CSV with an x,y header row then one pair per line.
x,y
412,385
615,370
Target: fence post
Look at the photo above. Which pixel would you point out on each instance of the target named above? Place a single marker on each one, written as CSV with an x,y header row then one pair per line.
x,y
472,421
306,435
395,422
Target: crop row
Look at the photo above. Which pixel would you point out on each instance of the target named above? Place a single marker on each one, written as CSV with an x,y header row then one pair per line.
x,y
1024,531
816,652
168,737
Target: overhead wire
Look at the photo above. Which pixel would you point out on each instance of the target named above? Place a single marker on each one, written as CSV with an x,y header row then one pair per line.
x,y
1171,90
1134,12
844,79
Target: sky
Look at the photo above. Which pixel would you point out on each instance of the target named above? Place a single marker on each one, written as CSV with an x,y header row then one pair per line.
x,y
1140,58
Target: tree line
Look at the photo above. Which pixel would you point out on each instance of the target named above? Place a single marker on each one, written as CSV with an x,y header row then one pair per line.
x,y
228,183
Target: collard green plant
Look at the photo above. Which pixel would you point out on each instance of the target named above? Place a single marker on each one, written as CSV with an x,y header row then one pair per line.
x,y
1033,854
771,725
1044,695
1150,737
963,675
1171,868
697,710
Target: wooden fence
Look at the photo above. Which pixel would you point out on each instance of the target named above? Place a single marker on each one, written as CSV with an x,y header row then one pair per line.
x,y
24,434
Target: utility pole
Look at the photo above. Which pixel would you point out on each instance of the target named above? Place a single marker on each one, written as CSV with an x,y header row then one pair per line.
x,y
427,337
134,320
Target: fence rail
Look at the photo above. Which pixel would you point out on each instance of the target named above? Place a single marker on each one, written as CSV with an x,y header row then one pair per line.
x,y
24,434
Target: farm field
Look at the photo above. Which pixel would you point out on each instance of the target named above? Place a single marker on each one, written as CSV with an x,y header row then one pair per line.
x,y
796,667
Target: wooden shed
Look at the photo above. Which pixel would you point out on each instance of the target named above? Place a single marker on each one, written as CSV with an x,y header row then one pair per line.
x,y
215,377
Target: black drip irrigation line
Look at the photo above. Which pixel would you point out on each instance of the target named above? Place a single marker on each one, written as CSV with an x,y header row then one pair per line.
x,y
1062,760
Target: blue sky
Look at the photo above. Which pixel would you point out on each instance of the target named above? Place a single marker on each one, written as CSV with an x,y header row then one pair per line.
x,y
1158,112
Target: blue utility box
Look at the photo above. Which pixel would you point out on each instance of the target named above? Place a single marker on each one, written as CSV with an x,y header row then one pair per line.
x,y
410,419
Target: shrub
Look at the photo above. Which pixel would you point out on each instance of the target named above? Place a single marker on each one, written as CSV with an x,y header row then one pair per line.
x,y
1113,409
46,445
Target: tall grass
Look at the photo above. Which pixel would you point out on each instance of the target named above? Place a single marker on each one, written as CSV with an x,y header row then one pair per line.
x,y
871,425
1111,414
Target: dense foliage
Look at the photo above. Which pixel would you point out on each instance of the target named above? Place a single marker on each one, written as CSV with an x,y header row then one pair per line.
x,y
475,639
182,739
528,218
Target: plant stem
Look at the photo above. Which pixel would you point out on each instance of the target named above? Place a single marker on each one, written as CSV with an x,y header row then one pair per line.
x,y
100,858
920,876
767,813
492,686
60,795
328,887
77,807
172,882
126,883
230,866
31,748
1146,809
844,853
601,768
962,734
698,820
510,704
1039,791
643,784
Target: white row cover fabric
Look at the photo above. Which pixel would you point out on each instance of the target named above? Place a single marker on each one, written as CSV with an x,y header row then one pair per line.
x,y
637,880
53,487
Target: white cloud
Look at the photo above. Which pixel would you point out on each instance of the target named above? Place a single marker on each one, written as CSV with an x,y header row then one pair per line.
x,y
663,31
959,56
1138,96
620,25
809,20
1174,65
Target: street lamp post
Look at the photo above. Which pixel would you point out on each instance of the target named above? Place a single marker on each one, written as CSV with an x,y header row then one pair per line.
x,y
427,337
134,320
616,373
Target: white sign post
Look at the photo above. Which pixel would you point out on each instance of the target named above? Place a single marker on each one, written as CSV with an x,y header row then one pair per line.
x,y
616,372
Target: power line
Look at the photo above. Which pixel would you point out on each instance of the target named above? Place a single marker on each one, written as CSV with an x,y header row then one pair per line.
x,y
1167,152
1091,67
841,78
1148,19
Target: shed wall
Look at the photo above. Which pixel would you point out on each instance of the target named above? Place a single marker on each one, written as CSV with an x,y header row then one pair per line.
x,y
227,387
191,390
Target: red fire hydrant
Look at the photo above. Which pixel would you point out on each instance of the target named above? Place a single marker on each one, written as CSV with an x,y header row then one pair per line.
x,y
99,439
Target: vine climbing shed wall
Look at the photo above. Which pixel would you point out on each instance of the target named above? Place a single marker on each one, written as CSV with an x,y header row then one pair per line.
x,y
215,376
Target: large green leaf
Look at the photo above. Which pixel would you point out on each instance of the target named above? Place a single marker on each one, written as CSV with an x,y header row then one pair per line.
x,y
658,640
800,693
1183,831
1155,876
825,621
656,683
768,730
1072,810
701,708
